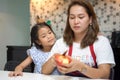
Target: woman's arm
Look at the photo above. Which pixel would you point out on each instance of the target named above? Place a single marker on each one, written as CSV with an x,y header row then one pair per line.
x,y
103,70
18,70
49,66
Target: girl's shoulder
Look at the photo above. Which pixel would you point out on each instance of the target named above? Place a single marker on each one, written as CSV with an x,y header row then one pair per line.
x,y
33,50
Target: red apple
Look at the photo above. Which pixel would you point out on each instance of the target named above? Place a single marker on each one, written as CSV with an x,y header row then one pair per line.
x,y
61,59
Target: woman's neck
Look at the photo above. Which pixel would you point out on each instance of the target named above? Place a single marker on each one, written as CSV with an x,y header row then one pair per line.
x,y
79,37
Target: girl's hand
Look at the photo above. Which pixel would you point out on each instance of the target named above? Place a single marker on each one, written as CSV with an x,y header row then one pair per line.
x,y
72,66
15,73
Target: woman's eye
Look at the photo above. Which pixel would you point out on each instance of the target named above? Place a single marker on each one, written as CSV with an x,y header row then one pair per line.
x,y
71,17
81,17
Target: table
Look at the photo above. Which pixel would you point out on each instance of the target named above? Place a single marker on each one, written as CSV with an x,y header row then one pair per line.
x,y
35,76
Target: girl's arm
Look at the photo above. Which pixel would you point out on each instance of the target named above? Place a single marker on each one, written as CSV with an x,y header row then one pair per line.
x,y
18,70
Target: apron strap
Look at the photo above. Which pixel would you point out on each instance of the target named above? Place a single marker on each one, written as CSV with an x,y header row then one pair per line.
x,y
93,53
77,73
91,50
70,50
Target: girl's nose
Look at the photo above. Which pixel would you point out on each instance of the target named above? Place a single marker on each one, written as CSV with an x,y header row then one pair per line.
x,y
48,36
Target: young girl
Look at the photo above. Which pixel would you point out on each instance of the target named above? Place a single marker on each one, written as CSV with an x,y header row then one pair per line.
x,y
91,53
42,40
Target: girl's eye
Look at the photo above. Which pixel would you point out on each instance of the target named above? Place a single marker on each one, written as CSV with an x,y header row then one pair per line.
x,y
49,32
43,36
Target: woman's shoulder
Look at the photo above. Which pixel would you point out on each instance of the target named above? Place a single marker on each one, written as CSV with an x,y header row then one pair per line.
x,y
102,38
60,40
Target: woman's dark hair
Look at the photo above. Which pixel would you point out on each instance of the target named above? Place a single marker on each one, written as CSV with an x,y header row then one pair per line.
x,y
93,30
34,33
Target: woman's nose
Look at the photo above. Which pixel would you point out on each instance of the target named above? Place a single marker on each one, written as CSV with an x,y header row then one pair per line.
x,y
76,21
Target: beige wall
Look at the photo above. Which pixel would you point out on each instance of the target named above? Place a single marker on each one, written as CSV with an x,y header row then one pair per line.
x,y
14,25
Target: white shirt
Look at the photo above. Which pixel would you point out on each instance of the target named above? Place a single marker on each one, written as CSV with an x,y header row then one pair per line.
x,y
39,58
102,49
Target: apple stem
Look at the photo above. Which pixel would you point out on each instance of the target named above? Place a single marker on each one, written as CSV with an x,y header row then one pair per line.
x,y
64,53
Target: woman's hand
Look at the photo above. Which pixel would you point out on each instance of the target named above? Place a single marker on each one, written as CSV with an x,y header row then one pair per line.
x,y
72,66
49,65
53,62
103,70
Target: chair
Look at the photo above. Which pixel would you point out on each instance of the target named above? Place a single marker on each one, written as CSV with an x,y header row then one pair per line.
x,y
111,77
10,65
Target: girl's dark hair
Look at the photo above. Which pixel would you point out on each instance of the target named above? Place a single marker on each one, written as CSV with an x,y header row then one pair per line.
x,y
34,34
93,30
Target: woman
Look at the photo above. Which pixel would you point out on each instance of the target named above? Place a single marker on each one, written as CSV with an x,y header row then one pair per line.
x,y
91,53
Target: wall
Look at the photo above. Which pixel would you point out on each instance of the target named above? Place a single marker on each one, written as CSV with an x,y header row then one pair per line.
x,y
108,14
14,25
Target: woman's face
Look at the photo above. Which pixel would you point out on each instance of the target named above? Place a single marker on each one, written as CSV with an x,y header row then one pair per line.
x,y
78,19
46,37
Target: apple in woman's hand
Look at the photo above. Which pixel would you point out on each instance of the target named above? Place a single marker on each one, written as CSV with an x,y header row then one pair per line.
x,y
61,59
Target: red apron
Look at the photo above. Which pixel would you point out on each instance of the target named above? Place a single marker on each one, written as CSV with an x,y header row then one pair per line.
x,y
77,73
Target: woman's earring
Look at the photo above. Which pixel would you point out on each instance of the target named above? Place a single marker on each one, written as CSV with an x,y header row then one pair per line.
x,y
90,24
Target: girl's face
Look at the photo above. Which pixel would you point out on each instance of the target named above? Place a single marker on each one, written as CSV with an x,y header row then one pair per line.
x,y
78,19
46,37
